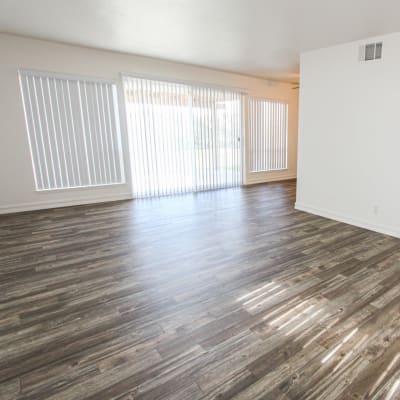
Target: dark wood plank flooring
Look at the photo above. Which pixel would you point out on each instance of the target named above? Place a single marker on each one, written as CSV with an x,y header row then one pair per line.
x,y
222,295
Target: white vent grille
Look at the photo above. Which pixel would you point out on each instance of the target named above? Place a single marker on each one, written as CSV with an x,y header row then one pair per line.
x,y
371,51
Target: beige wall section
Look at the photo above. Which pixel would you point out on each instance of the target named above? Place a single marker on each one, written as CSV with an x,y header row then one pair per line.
x,y
16,174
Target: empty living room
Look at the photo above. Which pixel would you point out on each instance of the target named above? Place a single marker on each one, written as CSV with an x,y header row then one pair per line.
x,y
199,200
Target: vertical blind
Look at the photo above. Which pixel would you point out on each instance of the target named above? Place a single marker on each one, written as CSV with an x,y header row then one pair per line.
x,y
268,134
184,138
73,130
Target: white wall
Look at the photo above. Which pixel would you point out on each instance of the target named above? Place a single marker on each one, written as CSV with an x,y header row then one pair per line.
x,y
17,190
349,135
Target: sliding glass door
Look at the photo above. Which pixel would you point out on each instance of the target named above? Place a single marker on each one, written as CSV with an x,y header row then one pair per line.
x,y
184,138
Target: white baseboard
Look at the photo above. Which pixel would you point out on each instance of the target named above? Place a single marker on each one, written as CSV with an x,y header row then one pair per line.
x,y
287,177
41,205
387,230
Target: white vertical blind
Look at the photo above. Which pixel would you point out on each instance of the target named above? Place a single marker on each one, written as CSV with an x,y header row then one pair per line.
x,y
184,138
268,131
73,130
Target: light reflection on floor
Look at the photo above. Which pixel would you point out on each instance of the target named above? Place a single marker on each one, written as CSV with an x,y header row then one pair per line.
x,y
301,317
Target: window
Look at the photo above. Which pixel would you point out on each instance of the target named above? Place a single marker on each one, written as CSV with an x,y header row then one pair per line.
x,y
73,130
268,135
184,138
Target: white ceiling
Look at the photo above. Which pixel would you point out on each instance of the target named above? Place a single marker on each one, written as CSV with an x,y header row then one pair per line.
x,y
255,37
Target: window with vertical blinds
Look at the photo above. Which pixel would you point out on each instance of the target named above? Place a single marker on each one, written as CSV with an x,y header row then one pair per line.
x,y
73,130
268,135
184,138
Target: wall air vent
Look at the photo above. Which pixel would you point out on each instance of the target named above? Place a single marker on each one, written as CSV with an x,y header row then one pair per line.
x,y
371,51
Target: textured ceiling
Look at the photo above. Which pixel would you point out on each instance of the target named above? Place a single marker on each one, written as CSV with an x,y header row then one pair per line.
x,y
254,37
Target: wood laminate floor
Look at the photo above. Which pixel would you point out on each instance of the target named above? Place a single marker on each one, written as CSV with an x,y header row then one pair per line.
x,y
228,294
